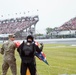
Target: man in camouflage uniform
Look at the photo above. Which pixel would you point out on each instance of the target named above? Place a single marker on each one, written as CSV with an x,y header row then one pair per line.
x,y
8,50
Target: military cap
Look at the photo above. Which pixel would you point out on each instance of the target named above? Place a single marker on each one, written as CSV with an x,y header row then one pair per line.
x,y
11,36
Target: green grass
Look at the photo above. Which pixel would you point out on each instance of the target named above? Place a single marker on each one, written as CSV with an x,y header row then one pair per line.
x,y
61,59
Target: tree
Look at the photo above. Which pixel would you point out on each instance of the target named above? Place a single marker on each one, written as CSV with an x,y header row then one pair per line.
x,y
48,30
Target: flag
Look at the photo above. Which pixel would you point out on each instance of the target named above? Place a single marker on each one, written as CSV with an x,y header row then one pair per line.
x,y
42,57
17,44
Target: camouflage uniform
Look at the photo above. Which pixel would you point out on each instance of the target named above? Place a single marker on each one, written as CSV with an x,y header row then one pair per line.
x,y
8,50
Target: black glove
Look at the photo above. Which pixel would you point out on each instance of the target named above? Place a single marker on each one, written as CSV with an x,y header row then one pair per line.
x,y
41,44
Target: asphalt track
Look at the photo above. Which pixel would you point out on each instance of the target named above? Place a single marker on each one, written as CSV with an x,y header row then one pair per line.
x,y
71,41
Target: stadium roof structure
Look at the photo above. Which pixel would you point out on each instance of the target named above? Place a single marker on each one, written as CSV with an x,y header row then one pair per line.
x,y
12,25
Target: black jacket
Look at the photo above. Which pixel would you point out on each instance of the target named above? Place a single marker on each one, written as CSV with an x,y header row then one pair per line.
x,y
31,57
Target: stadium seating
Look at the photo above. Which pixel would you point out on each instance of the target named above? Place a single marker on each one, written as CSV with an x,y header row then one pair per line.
x,y
70,25
14,25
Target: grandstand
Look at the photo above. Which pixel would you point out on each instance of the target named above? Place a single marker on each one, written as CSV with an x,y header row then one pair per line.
x,y
68,29
70,25
12,26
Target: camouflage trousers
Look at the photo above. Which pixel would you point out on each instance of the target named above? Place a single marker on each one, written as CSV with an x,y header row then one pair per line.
x,y
9,64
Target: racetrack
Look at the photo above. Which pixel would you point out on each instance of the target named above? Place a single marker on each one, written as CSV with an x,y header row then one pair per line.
x,y
71,41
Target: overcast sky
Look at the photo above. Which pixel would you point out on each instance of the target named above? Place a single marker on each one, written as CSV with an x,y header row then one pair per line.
x,y
52,13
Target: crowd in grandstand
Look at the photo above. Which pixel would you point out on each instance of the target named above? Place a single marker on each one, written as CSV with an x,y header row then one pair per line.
x,y
70,25
14,25
19,24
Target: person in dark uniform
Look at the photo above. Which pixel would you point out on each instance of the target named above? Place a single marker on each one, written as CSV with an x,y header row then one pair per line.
x,y
27,55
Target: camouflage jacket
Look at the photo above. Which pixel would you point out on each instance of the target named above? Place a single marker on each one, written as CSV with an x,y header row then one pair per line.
x,y
8,50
